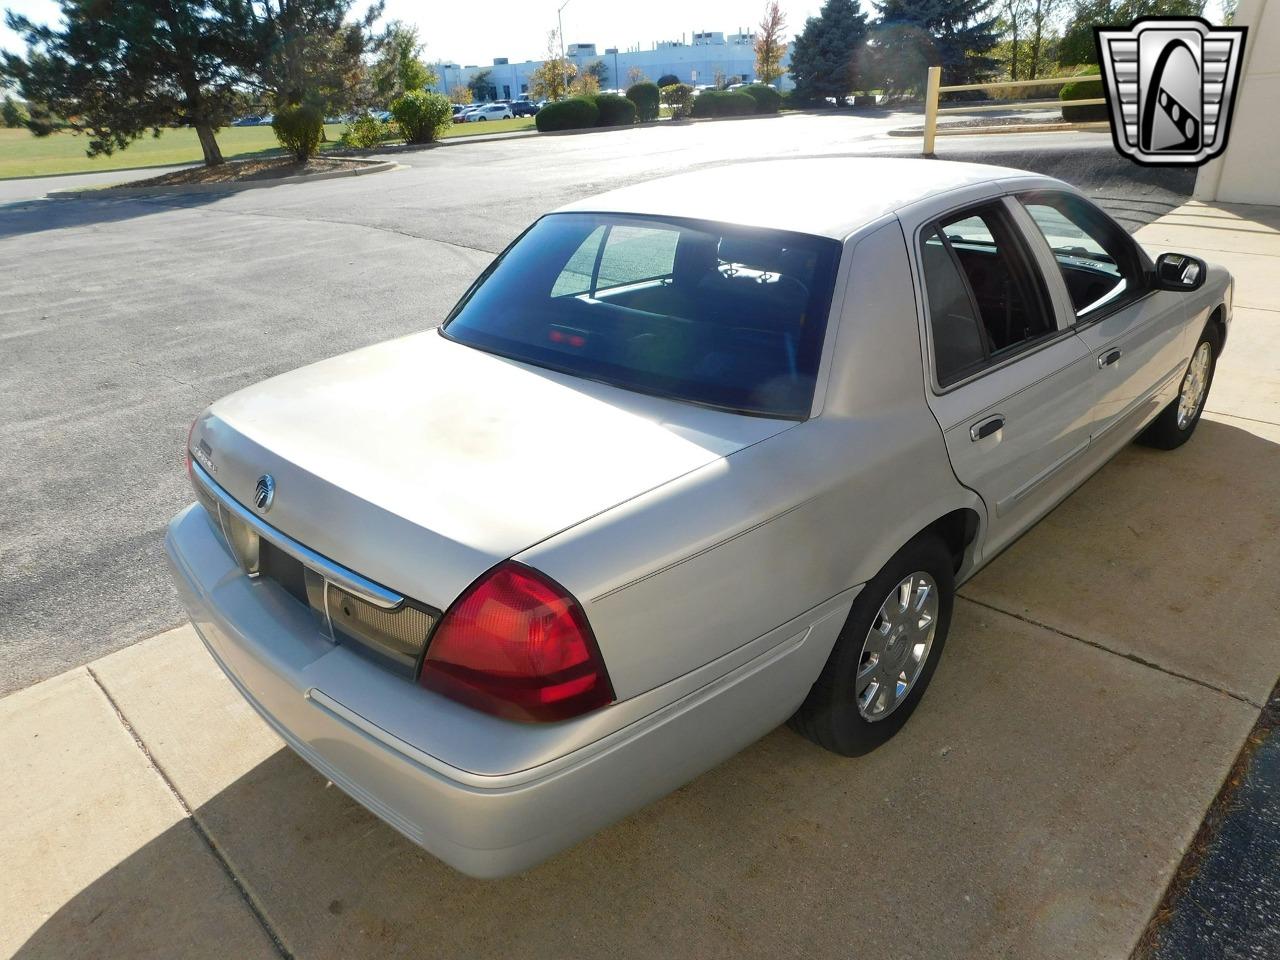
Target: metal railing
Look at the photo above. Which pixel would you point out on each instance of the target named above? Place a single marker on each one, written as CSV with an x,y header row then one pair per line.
x,y
934,88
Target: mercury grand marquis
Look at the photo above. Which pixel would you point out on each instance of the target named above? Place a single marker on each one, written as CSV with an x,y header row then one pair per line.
x,y
678,468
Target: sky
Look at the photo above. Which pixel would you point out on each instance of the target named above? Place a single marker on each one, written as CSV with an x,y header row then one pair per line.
x,y
517,29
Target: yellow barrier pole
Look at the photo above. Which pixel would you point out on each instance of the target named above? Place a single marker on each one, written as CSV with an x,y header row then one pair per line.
x,y
931,109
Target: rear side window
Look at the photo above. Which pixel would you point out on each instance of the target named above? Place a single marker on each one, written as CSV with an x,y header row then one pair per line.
x,y
714,314
986,298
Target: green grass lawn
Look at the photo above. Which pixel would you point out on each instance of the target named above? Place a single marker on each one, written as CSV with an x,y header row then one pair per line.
x,y
489,126
24,155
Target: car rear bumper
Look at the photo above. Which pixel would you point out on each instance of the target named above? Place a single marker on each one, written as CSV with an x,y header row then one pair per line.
x,y
332,707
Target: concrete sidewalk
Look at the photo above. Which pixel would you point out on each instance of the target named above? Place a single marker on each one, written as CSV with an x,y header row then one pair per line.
x,y
1101,677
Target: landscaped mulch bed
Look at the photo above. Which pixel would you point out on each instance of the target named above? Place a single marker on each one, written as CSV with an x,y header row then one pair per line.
x,y
1055,117
243,171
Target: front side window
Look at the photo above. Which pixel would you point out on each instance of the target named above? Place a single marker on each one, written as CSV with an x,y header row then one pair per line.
x,y
986,299
1100,265
718,315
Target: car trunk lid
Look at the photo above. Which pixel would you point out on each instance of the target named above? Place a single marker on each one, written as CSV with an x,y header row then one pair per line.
x,y
419,463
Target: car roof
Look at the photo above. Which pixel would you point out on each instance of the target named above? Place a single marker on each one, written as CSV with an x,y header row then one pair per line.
x,y
829,196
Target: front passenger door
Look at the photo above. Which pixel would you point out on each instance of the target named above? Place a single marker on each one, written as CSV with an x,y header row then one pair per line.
x,y
1011,389
1135,334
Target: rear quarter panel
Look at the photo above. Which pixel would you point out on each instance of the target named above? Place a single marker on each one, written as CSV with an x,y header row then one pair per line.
x,y
687,573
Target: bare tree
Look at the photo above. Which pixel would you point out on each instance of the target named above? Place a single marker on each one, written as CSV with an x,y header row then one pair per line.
x,y
770,47
1042,13
1015,14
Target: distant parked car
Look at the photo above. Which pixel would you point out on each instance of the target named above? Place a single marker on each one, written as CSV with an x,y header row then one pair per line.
x,y
523,108
246,122
489,111
458,110
266,120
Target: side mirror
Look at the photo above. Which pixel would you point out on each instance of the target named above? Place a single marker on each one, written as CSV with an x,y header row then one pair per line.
x,y
1177,271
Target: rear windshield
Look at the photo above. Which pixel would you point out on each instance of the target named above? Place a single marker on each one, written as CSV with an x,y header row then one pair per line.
x,y
723,316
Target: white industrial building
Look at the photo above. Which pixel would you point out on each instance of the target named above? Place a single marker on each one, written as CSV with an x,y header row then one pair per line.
x,y
697,60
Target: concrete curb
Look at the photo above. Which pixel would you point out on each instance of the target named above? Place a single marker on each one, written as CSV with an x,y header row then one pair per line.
x,y
370,166
525,134
955,130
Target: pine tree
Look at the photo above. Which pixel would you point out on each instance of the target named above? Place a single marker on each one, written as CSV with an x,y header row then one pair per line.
x,y
957,35
305,51
119,68
825,55
399,68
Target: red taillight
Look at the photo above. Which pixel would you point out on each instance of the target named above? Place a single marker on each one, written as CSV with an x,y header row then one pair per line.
x,y
517,645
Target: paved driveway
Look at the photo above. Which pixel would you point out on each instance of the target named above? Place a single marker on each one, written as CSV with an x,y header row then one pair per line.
x,y
1101,674
125,317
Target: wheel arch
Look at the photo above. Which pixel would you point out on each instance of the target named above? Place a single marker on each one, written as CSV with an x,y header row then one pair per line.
x,y
958,529
1218,324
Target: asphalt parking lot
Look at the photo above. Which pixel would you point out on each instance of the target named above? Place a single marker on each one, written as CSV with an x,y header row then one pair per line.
x,y
123,318
1102,675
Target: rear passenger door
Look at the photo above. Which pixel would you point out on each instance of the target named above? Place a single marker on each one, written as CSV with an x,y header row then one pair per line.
x,y
1135,334
1009,385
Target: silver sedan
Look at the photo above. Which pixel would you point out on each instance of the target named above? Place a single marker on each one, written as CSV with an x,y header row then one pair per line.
x,y
680,467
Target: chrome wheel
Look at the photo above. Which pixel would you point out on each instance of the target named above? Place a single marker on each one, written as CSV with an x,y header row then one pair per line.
x,y
1194,385
897,646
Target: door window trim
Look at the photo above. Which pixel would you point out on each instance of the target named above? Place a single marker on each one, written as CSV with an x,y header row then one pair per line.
x,y
1031,266
1142,290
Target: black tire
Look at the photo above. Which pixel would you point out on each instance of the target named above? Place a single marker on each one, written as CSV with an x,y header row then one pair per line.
x,y
1164,432
830,716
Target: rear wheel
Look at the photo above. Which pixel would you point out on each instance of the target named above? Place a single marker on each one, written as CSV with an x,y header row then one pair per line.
x,y
1176,422
885,655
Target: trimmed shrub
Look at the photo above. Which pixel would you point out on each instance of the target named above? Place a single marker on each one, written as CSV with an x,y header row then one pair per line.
x,y
422,116
299,128
615,111
572,114
667,80
768,100
1083,89
678,97
365,131
723,103
645,97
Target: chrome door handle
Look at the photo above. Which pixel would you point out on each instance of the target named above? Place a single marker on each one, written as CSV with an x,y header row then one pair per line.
x,y
980,431
1107,359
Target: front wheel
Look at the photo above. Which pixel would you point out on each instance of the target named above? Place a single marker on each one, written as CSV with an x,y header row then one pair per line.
x,y
885,656
1174,425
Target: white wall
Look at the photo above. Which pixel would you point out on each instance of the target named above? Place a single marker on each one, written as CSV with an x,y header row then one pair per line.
x,y
1249,170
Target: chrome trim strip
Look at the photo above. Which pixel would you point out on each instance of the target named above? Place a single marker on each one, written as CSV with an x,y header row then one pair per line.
x,y
1136,405
1011,501
348,580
